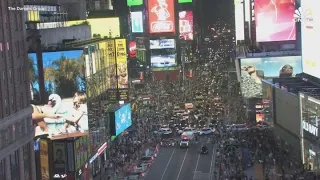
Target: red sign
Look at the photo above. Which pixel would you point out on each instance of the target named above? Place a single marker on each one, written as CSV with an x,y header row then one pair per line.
x,y
186,25
133,49
161,16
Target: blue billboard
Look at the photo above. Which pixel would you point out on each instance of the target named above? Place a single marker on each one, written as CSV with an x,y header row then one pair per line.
x,y
123,119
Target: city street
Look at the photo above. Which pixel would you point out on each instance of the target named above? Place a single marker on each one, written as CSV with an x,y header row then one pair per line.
x,y
174,163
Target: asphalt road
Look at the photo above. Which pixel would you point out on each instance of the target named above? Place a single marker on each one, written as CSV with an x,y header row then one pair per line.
x,y
174,163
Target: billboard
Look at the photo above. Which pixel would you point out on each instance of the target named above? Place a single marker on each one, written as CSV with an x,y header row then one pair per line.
x,y
44,160
81,151
309,112
239,19
184,1
255,69
163,52
110,28
133,49
122,66
123,119
267,101
310,30
186,25
59,157
161,16
66,110
110,51
274,22
134,2
137,22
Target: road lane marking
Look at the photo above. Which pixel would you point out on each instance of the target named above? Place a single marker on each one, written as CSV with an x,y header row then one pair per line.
x,y
195,170
182,164
213,159
165,170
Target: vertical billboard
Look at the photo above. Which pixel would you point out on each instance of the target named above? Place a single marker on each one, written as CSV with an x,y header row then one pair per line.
x,y
65,84
161,16
274,21
255,69
59,157
134,2
186,25
184,1
310,30
120,119
137,22
111,55
44,160
81,151
163,53
122,66
239,19
132,49
267,101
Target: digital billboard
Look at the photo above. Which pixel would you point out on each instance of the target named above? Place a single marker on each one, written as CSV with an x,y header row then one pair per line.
x,y
134,2
66,112
274,21
163,52
123,119
267,101
255,69
133,49
161,16
239,19
184,1
186,25
137,22
81,151
110,28
310,30
122,65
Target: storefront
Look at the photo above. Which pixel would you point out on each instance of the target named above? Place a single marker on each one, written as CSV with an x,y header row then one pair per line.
x,y
141,49
97,160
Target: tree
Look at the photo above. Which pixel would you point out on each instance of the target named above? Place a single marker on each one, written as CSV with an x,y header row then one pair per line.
x,y
33,77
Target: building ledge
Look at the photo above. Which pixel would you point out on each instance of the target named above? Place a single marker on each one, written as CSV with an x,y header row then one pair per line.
x,y
15,117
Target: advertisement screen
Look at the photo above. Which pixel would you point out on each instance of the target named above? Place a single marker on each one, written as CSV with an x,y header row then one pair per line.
x,y
274,21
239,19
310,30
111,56
163,53
161,16
134,2
184,1
44,160
267,101
59,157
137,22
81,151
310,114
121,56
186,25
123,119
255,69
162,44
65,85
133,49
110,28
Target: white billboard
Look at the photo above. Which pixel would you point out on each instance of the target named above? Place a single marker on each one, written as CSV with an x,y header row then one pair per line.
x,y
137,22
310,33
239,19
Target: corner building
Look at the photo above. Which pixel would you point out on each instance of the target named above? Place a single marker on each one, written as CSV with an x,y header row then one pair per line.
x,y
16,128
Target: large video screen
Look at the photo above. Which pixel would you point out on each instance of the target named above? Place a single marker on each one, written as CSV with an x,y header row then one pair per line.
x,y
137,22
123,119
163,52
186,25
66,110
161,16
122,66
239,19
310,31
255,69
274,20
162,44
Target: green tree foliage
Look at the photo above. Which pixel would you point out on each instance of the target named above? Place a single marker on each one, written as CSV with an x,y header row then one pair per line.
x,y
33,77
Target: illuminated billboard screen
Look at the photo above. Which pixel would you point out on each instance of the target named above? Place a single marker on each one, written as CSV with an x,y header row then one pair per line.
x,y
255,69
122,66
161,16
309,112
65,85
137,22
163,52
184,1
310,30
239,19
274,22
119,117
186,25
134,2
133,49
110,28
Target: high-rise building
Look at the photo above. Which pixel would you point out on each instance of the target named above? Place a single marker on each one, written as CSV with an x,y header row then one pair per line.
x,y
16,126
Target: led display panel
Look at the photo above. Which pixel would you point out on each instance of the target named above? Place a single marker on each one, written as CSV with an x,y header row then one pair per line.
x,y
239,19
161,16
186,25
123,119
137,22
163,52
255,69
184,1
310,32
274,21
134,2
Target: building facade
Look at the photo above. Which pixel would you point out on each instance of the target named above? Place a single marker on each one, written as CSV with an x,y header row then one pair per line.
x,y
16,128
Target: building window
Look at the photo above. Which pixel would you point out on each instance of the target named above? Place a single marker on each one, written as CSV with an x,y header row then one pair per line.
x,y
16,20
8,47
10,76
21,101
18,48
1,50
6,105
3,169
4,78
13,136
27,161
14,165
13,103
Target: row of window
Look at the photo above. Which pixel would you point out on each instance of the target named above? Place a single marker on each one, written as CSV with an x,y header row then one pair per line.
x,y
310,111
14,132
19,47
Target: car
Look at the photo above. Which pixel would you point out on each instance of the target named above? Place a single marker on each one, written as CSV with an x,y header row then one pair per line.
x,y
144,163
189,129
166,131
205,131
238,127
184,143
